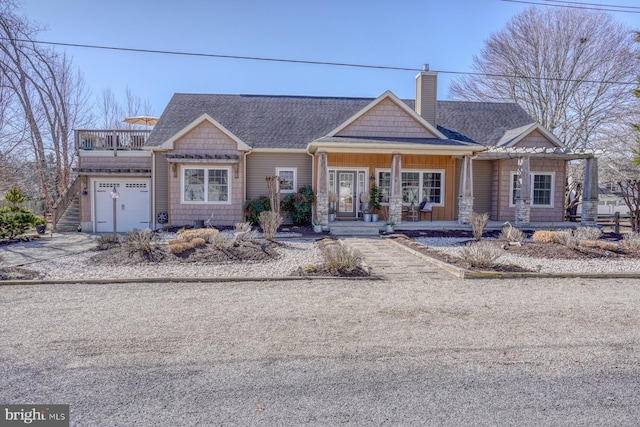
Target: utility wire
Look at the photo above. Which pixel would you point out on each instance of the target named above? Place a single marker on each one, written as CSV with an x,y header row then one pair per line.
x,y
595,4
308,62
573,7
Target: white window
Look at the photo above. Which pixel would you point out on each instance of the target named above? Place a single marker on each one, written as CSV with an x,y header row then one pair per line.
x,y
417,186
288,178
542,188
206,185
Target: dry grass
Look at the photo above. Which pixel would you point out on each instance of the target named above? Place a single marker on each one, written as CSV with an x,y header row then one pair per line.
x,y
587,233
223,240
179,246
106,242
198,242
632,241
203,233
548,236
269,222
478,224
481,254
340,257
141,243
510,233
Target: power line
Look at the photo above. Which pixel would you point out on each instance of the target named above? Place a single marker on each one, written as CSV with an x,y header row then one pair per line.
x,y
308,62
573,7
596,4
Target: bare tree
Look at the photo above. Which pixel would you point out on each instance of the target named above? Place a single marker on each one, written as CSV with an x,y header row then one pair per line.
x,y
113,112
46,99
563,66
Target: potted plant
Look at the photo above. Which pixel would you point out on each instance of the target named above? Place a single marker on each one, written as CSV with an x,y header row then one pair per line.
x,y
40,224
366,206
317,226
333,199
374,202
388,226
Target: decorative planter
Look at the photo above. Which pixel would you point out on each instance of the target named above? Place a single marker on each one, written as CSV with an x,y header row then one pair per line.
x,y
41,229
367,217
388,228
332,217
317,228
375,217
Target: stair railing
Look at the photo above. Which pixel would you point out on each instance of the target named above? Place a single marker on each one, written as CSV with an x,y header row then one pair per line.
x,y
62,203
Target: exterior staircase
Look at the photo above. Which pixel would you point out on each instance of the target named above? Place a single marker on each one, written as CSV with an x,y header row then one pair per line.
x,y
70,219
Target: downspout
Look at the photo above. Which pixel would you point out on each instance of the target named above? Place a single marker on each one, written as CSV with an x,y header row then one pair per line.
x,y
244,177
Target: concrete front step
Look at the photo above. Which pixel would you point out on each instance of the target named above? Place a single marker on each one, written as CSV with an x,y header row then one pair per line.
x,y
371,229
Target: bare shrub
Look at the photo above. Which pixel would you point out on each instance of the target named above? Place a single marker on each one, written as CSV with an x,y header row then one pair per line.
x,y
198,242
587,233
223,240
106,242
269,222
510,233
243,231
203,233
632,241
140,242
179,246
565,238
547,236
340,257
481,254
478,224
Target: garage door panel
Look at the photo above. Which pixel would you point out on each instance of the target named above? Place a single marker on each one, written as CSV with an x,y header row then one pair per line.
x,y
132,205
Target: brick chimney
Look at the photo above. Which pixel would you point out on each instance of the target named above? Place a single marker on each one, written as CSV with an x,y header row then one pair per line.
x,y
426,95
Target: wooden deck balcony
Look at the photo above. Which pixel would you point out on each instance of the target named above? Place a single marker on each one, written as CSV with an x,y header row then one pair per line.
x,y
117,139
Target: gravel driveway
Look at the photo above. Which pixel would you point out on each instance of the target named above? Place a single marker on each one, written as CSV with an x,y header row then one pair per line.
x,y
452,352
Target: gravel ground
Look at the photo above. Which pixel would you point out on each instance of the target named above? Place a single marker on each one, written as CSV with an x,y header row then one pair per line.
x,y
483,352
453,246
293,254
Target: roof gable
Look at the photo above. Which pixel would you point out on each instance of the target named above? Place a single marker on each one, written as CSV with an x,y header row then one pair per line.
x,y
387,116
533,135
169,144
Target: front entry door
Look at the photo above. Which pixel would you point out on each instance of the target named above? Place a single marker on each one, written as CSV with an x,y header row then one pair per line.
x,y
347,200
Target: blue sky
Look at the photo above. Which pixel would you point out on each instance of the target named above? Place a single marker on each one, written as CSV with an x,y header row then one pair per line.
x,y
399,33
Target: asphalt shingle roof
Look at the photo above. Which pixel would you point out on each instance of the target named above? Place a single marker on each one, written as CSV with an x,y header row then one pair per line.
x,y
264,121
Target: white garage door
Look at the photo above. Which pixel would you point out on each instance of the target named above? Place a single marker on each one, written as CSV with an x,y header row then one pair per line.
x,y
132,206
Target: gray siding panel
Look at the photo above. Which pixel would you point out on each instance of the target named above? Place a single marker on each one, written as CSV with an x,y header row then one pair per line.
x,y
262,165
482,186
161,188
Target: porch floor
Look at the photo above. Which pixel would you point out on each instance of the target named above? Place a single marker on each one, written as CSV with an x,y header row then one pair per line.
x,y
444,225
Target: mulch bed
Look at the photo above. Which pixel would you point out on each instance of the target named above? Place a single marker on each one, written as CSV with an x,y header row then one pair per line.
x,y
17,273
528,249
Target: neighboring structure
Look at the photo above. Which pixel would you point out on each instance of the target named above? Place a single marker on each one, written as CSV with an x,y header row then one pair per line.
x,y
208,154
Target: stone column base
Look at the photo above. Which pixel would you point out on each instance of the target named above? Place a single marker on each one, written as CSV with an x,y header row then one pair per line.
x,y
395,209
523,212
322,208
589,213
465,209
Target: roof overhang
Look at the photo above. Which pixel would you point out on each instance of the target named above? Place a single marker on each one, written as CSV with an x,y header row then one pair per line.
x,y
497,153
365,145
514,136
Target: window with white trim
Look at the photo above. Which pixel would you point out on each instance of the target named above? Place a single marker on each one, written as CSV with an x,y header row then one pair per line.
x,y
206,185
288,177
417,186
542,188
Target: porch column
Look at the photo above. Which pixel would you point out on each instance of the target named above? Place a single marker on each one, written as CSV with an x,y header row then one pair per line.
x,y
465,199
395,198
523,192
590,193
322,196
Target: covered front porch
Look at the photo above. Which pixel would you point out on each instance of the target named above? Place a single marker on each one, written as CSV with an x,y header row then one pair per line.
x,y
361,228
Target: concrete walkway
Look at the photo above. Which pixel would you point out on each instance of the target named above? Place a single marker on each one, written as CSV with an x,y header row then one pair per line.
x,y
392,262
47,246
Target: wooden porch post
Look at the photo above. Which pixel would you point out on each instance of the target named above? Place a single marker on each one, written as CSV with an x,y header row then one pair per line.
x,y
465,202
589,215
322,196
395,198
523,192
